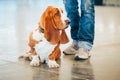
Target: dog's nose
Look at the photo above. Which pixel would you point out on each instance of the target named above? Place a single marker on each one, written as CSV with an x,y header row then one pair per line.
x,y
67,21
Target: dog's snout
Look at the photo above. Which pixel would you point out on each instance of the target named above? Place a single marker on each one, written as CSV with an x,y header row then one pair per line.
x,y
67,21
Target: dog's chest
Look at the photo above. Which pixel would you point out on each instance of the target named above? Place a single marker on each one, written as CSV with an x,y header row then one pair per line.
x,y
43,48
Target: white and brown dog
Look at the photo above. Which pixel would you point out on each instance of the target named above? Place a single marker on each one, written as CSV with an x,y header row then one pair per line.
x,y
44,42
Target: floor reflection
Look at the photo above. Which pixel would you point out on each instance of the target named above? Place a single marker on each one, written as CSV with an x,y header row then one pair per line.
x,y
76,70
45,73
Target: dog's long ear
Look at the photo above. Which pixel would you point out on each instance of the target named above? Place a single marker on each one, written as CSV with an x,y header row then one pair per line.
x,y
43,17
63,37
50,33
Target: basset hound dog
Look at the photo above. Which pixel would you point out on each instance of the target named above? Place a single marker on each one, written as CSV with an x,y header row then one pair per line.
x,y
44,42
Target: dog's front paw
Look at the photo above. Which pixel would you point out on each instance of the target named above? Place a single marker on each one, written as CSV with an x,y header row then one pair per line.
x,y
52,64
35,61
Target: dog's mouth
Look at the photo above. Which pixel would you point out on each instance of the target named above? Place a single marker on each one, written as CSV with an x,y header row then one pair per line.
x,y
67,22
66,26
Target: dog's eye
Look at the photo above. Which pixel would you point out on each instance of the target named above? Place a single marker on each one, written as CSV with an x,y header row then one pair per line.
x,y
57,14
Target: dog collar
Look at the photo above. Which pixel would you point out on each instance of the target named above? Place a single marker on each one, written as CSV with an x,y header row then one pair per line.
x,y
41,29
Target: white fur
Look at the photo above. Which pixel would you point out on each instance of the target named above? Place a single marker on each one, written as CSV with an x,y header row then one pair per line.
x,y
37,35
43,48
52,63
35,61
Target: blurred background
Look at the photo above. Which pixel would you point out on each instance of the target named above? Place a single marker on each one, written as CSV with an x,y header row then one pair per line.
x,y
108,2
19,17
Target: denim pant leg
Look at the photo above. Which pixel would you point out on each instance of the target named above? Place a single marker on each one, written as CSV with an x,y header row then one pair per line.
x,y
86,25
71,7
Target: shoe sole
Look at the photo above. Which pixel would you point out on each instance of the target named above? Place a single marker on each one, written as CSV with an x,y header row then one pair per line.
x,y
77,58
67,53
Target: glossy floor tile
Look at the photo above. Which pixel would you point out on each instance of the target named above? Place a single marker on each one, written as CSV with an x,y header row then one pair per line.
x,y
18,18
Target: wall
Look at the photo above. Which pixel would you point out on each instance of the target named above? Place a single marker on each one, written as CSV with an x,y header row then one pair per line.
x,y
111,2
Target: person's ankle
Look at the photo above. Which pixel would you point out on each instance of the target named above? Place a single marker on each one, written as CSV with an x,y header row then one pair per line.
x,y
75,44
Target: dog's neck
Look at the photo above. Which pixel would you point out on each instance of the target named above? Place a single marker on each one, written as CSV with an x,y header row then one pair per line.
x,y
42,30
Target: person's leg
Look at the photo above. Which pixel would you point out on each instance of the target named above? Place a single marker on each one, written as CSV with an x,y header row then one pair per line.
x,y
86,28
71,7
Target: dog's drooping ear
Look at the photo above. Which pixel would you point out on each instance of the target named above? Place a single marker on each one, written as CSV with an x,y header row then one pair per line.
x,y
50,33
53,35
44,17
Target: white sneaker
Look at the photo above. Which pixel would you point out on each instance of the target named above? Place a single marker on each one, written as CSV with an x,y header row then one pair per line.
x,y
71,50
82,54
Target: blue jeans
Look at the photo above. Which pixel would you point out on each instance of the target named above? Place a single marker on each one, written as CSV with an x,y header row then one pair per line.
x,y
82,23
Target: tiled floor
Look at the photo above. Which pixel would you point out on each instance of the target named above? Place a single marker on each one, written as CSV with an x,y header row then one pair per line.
x,y
18,18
